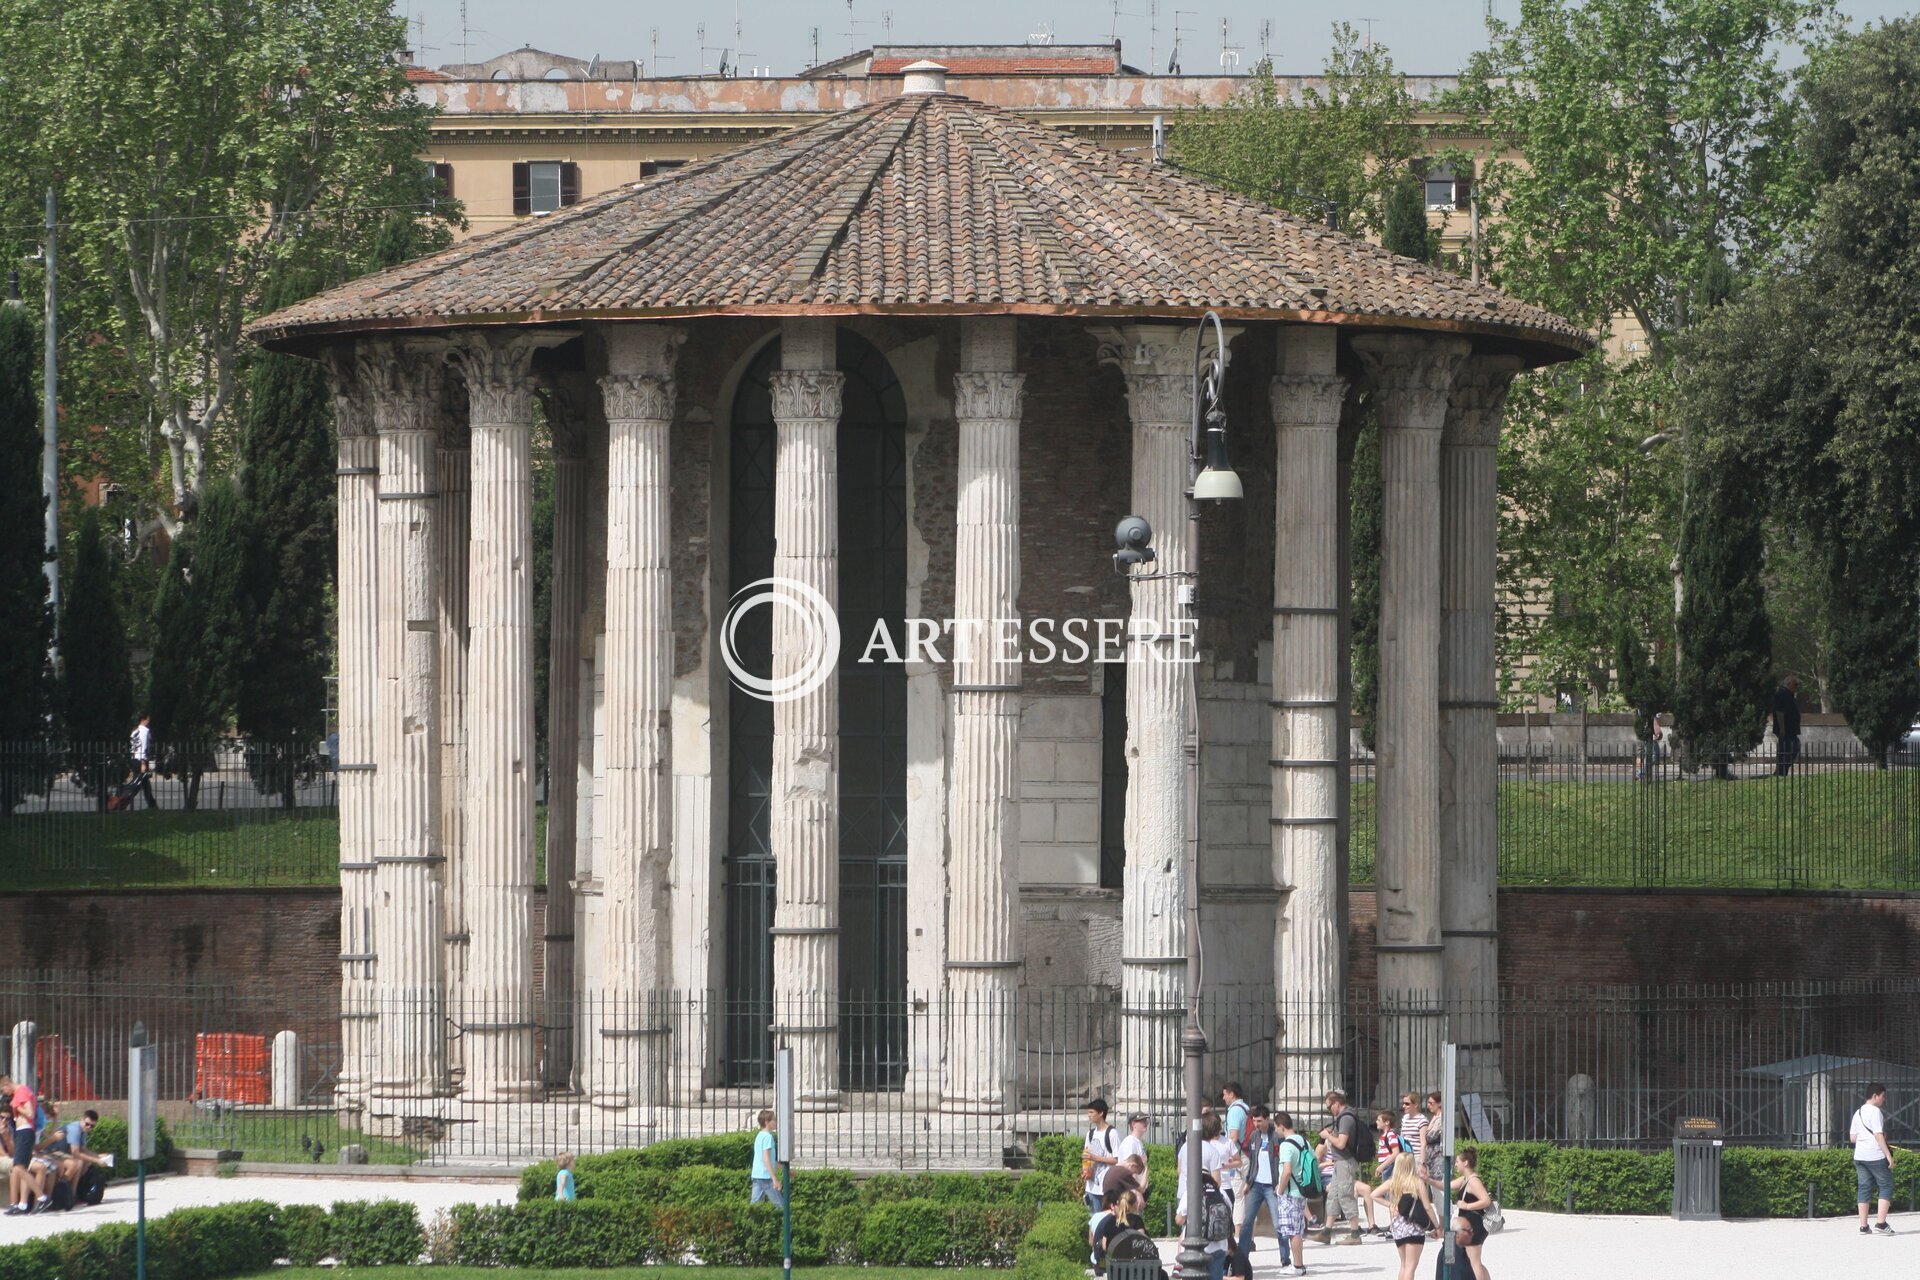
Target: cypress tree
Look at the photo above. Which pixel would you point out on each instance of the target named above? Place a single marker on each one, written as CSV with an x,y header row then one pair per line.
x,y
287,459
1643,686
1406,231
1724,679
26,622
1872,621
96,688
200,630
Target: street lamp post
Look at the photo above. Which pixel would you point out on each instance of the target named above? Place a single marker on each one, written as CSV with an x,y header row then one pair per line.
x,y
1210,478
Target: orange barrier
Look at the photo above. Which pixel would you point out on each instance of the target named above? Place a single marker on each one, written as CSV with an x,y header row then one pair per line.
x,y
59,1072
231,1066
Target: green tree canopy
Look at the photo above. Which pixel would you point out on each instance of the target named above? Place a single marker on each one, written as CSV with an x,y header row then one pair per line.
x,y
198,146
96,685
1304,148
1653,136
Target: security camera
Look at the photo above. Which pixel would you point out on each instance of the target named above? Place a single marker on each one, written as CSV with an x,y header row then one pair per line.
x,y
1134,537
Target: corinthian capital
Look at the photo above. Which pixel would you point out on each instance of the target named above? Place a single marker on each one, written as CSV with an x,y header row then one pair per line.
x,y
352,398
569,399
1307,399
978,394
800,394
498,367
1411,376
637,397
1479,395
1157,362
407,382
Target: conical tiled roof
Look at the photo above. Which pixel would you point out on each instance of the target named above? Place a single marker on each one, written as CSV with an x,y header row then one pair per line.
x,y
921,204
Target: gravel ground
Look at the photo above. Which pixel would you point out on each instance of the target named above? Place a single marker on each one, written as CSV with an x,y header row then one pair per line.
x,y
1555,1246
167,1194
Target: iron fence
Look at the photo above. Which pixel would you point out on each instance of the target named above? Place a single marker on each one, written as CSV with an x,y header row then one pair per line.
x,y
1781,1065
1597,816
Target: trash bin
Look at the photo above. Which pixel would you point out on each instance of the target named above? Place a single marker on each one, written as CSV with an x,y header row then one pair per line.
x,y
1696,1170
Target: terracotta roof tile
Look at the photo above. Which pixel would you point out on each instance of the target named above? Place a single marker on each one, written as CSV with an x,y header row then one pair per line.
x,y
1036,65
920,203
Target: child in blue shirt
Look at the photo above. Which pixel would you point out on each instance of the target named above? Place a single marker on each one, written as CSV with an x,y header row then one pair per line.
x,y
764,1176
564,1187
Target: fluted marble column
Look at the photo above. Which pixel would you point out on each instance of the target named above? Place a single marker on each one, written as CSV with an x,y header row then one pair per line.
x,y
1469,834
408,922
355,593
1411,377
566,403
497,1019
806,729
1157,362
638,394
983,870
455,511
1309,733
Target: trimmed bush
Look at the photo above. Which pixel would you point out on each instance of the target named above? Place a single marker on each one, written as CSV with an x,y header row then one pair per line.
x,y
1058,1153
1056,1244
904,1233
221,1240
839,1239
110,1137
376,1233
306,1230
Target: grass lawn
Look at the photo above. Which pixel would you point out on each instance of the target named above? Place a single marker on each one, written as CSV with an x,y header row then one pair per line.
x,y
625,1273
276,1139
1837,829
212,848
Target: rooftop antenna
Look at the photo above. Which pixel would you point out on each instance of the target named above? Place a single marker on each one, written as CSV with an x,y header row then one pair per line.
x,y
852,39
886,26
1173,59
1153,33
1369,44
466,36
1229,51
1043,36
1266,39
813,33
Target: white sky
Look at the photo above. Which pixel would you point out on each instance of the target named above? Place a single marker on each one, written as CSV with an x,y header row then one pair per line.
x,y
1427,37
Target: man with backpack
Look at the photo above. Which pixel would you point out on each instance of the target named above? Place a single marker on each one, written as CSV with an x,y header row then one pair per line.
x,y
1343,1141
1297,1182
1097,1154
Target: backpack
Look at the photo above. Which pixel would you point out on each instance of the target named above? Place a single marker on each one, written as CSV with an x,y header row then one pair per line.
x,y
1306,1169
61,1197
93,1186
1216,1216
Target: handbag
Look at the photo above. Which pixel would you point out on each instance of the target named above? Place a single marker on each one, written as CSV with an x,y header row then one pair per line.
x,y
1493,1220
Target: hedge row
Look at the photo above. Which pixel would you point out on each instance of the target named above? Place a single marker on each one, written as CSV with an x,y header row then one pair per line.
x,y
610,1233
225,1240
1755,1182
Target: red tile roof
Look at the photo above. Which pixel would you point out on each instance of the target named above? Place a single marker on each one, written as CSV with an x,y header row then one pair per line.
x,y
920,204
416,74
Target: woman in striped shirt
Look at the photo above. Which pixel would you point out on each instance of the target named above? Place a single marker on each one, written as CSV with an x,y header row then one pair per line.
x,y
1385,1150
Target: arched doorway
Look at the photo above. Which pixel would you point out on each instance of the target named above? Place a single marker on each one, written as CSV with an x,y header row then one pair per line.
x,y
873,727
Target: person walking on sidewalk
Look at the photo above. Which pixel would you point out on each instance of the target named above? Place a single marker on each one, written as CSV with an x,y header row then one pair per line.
x,y
1872,1157
140,742
1405,1197
1098,1153
1786,725
1264,1181
1345,1145
764,1178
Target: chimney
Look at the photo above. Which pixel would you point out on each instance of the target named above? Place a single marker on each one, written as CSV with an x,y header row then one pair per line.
x,y
924,76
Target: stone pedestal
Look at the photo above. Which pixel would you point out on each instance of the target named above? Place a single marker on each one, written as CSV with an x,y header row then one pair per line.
x,y
497,1018
1411,377
408,922
286,1071
355,590
1309,731
806,728
636,823
1469,748
983,873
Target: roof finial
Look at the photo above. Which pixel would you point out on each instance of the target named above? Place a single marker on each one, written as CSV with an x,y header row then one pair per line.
x,y
924,76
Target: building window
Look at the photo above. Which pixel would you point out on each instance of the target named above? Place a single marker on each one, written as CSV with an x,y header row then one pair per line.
x,y
1446,189
651,168
439,181
541,186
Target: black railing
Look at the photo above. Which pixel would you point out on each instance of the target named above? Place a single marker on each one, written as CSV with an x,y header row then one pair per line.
x,y
1776,1064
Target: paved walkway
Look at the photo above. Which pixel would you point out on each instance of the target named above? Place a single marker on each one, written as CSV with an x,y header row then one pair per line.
x,y
1554,1246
